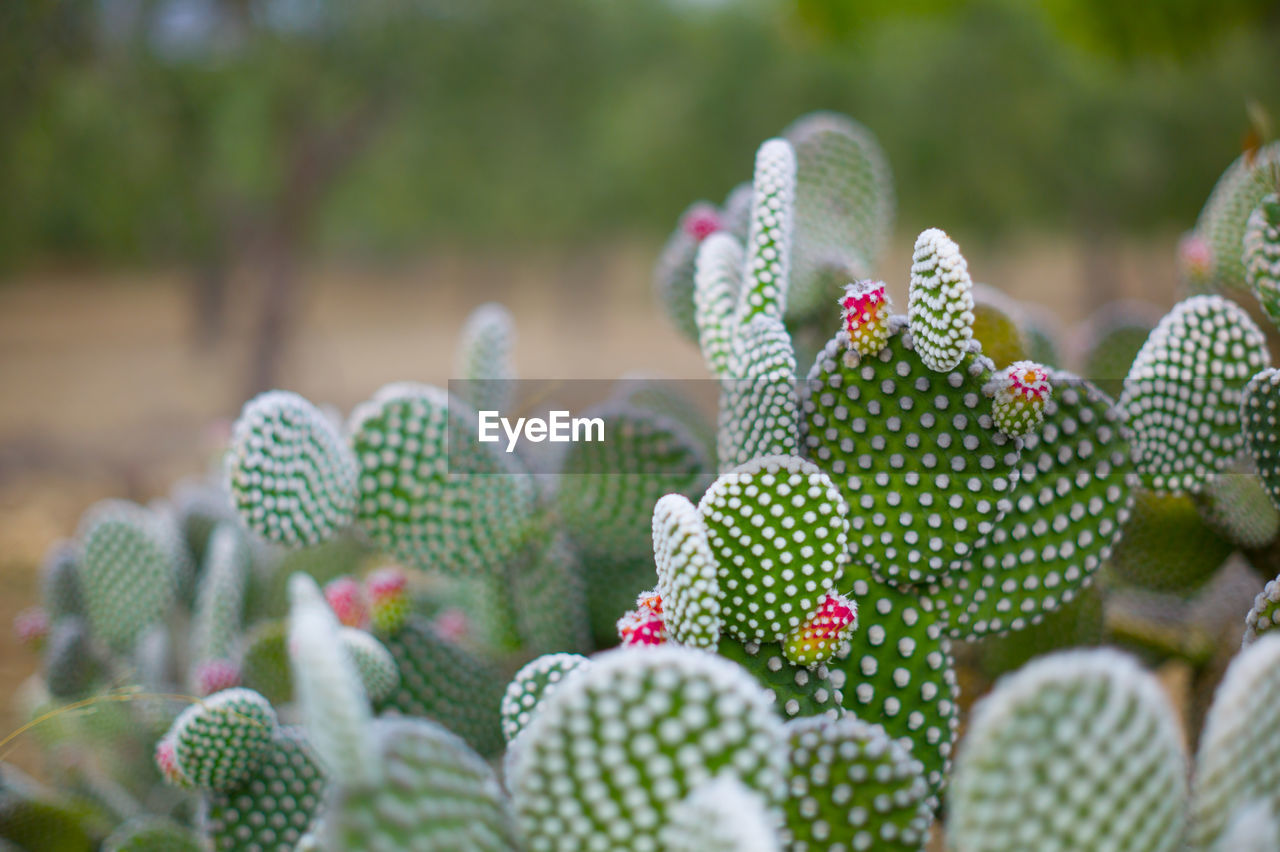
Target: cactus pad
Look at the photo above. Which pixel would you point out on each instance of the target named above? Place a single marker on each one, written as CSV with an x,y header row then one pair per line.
x,y
1264,615
531,685
853,787
1259,411
757,412
374,663
796,690
483,359
721,816
768,246
221,741
1077,750
1182,395
291,477
614,750
941,301
1224,220
687,573
778,529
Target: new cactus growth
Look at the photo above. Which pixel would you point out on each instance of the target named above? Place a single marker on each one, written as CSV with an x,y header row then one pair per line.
x,y
941,305
866,306
219,743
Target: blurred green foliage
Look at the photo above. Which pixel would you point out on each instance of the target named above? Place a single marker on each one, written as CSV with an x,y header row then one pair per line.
x,y
140,130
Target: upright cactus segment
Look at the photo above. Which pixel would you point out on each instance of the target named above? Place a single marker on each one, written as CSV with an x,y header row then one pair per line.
x,y
778,529
220,598
483,359
436,794
1262,255
1068,510
941,304
1183,393
844,207
1260,414
897,671
1077,750
532,685
1264,615
758,404
330,694
715,299
613,752
768,268
1224,219
127,570
915,452
674,272
60,581
551,591
688,580
853,787
1238,760
722,815
429,493
220,742
291,477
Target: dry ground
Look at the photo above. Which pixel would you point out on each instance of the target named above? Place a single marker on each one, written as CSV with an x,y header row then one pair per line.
x,y
103,394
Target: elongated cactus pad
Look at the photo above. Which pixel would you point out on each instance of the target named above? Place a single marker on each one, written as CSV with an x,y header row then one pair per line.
x,y
1260,413
292,478
722,815
483,360
898,672
941,301
1264,615
220,742
436,794
1077,750
1182,395
1239,760
531,685
715,299
275,807
1068,510
1019,394
1224,219
430,494
688,581
126,570
844,207
768,246
778,529
220,596
915,452
1262,255
853,787
551,597
615,749
60,581
758,415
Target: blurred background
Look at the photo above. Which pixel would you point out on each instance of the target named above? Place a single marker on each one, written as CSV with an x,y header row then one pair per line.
x,y
200,199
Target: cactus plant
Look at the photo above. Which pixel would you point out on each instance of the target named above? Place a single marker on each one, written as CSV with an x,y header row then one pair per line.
x,y
1264,615
1220,229
1262,255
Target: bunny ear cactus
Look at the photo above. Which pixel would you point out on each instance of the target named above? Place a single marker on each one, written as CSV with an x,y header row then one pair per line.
x,y
941,303
219,743
853,787
1166,546
219,601
1264,615
612,753
1067,512
844,207
552,612
688,574
1183,393
533,684
1077,750
1237,506
374,665
430,494
127,570
291,476
436,793
1261,424
673,275
722,815
1262,255
1220,230
758,414
1238,760
484,358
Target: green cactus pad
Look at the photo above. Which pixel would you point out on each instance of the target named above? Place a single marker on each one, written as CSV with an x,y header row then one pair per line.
x,y
1068,510
1239,759
722,815
1262,255
853,787
219,605
687,573
758,400
483,360
778,529
1224,219
1261,424
70,668
275,807
1182,395
606,497
264,662
1078,750
152,834
531,685
221,741
898,672
768,245
1111,339
1264,615
1166,546
127,571
844,208
993,326
443,682
915,453
548,591
1237,506
795,690
940,305
436,794
613,751
60,581
429,494
718,282
373,662
674,273
291,477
